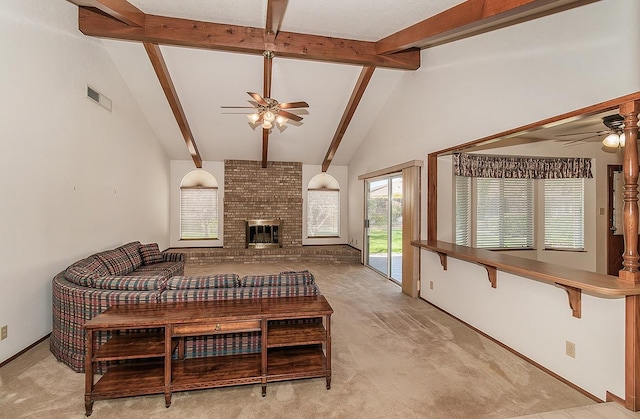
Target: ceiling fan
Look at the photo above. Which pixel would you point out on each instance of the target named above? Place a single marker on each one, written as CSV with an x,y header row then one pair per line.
x,y
267,109
614,134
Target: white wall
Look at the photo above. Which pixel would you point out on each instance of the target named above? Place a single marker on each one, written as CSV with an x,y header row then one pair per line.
x,y
500,80
179,169
76,178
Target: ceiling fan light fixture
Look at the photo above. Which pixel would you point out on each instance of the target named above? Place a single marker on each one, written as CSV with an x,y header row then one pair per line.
x,y
281,121
269,116
267,124
253,118
613,140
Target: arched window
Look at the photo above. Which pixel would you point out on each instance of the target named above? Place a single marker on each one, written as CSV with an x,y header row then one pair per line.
x,y
323,206
199,206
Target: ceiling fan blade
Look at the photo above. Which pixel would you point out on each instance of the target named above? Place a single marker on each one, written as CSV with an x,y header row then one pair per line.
x,y
237,107
291,105
583,133
258,98
583,139
289,115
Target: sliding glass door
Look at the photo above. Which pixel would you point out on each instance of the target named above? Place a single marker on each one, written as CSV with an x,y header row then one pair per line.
x,y
383,226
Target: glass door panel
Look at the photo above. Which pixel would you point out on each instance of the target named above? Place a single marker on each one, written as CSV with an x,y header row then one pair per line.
x,y
383,226
377,225
396,229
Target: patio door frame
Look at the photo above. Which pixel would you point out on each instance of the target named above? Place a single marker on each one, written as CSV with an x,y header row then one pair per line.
x,y
411,189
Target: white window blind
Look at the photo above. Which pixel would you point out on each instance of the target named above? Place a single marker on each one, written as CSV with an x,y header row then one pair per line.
x,y
463,210
323,213
198,213
564,214
504,213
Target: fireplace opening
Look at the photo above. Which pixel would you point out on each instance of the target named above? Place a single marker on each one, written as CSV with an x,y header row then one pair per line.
x,y
262,234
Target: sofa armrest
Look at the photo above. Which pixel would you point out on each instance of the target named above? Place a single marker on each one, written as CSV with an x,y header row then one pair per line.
x,y
173,257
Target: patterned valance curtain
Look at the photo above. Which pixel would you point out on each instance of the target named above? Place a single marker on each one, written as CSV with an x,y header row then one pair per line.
x,y
477,165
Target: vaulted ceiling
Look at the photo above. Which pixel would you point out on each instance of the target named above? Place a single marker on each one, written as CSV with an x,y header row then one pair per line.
x,y
184,60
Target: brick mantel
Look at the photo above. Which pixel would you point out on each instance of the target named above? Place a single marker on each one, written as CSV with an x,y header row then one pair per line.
x,y
253,192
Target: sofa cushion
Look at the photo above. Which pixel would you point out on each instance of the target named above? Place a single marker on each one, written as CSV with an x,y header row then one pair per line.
x,y
200,282
150,253
281,279
132,250
131,283
166,269
84,272
278,291
296,277
116,261
259,280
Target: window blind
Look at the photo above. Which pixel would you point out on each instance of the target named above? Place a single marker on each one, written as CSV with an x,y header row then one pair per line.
x,y
198,213
323,213
564,214
463,210
504,213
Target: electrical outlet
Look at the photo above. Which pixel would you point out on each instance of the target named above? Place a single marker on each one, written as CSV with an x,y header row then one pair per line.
x,y
571,349
3,332
430,284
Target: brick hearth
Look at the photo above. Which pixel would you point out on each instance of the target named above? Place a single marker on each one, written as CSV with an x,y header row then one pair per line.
x,y
321,254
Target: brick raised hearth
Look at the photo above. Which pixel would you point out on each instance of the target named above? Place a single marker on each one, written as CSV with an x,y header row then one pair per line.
x,y
320,254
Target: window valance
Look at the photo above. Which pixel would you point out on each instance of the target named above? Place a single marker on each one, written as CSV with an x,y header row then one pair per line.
x,y
478,165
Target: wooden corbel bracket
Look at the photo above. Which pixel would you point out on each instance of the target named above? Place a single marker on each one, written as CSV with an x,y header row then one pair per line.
x,y
575,299
493,274
443,260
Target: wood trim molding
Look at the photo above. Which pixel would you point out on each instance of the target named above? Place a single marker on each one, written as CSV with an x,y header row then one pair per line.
x,y
392,169
160,67
432,197
352,105
410,230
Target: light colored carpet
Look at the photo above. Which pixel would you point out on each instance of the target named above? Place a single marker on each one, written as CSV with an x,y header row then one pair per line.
x,y
393,357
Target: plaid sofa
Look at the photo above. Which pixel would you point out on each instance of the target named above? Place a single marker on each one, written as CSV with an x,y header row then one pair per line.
x,y
90,286
132,273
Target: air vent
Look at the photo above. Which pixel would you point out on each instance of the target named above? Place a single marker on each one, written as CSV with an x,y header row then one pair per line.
x,y
99,98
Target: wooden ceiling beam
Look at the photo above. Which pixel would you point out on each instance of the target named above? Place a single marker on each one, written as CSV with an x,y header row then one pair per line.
x,y
197,34
160,67
275,13
470,18
121,10
352,105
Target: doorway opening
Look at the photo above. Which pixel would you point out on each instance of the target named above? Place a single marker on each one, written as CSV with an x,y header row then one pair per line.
x,y
383,226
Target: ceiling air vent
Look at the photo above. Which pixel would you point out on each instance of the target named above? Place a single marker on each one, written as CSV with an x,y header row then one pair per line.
x,y
99,98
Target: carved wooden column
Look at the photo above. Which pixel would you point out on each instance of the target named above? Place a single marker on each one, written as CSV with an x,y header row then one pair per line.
x,y
629,271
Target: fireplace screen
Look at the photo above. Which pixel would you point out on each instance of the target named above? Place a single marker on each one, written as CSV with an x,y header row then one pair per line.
x,y
263,234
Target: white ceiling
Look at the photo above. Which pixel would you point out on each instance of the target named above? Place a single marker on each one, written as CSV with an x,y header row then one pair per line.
x,y
205,80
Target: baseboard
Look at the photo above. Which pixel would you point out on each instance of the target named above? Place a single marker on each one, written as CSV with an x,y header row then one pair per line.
x,y
518,354
3,363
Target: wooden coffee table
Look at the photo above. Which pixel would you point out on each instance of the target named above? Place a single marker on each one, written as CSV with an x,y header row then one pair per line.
x,y
145,337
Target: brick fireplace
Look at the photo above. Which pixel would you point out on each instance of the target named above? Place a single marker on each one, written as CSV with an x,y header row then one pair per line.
x,y
252,192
